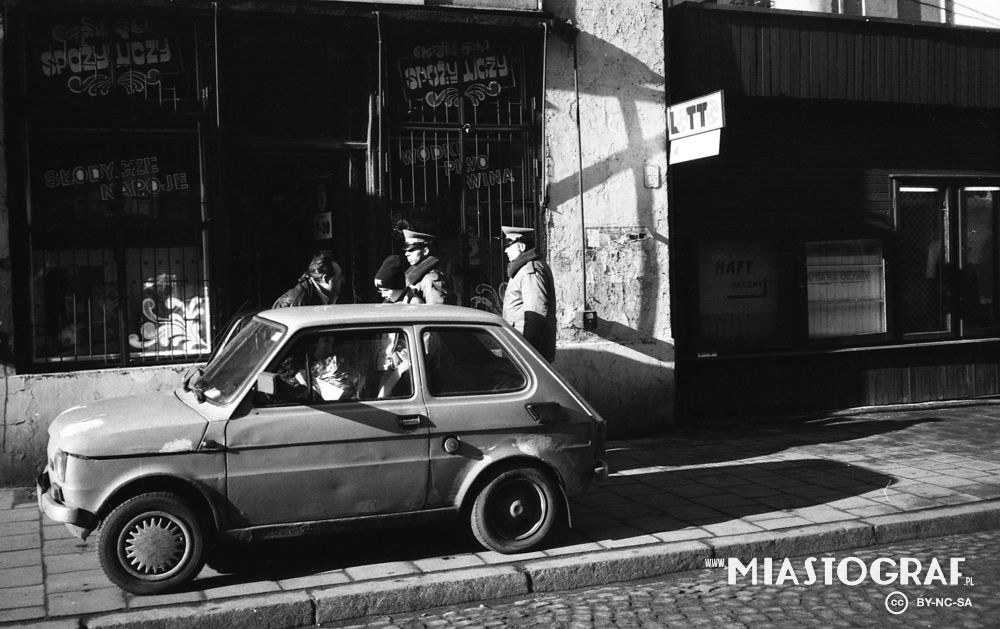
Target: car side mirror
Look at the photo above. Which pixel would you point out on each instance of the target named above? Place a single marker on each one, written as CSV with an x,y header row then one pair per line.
x,y
267,382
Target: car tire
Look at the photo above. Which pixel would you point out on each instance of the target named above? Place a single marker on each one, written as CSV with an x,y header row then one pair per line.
x,y
515,511
151,543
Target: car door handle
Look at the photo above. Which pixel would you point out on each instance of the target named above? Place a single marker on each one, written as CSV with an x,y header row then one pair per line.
x,y
410,421
211,445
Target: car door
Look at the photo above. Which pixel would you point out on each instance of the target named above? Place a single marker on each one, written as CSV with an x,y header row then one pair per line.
x,y
476,392
345,432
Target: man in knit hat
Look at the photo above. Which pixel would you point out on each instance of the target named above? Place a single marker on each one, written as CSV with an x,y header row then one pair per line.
x,y
529,303
390,280
425,281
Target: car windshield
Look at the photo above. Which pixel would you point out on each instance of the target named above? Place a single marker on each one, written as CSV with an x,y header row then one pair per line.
x,y
238,361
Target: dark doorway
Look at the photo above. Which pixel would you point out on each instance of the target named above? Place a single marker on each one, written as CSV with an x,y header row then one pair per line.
x,y
294,204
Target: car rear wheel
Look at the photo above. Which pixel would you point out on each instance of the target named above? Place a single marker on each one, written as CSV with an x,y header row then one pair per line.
x,y
151,543
515,511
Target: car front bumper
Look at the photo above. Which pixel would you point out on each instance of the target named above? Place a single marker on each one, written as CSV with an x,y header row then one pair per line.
x,y
79,521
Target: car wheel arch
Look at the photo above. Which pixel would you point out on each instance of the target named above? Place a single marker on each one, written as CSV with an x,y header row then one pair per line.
x,y
196,496
468,497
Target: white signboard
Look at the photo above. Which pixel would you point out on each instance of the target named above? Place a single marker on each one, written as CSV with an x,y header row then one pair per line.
x,y
323,225
705,113
695,146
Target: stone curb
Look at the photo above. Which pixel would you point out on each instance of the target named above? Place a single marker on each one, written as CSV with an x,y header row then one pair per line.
x,y
436,589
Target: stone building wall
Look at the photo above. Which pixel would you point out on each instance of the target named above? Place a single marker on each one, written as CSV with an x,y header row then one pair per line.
x,y
625,365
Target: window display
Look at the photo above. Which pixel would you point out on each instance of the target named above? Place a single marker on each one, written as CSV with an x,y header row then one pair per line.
x,y
118,263
846,288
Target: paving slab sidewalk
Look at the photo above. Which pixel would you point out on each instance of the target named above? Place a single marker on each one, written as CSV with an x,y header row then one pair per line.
x,y
672,502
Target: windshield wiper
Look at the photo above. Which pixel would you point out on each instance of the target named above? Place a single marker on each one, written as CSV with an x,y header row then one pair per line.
x,y
193,377
199,393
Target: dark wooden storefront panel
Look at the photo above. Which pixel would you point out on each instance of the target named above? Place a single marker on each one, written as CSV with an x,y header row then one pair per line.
x,y
753,386
785,54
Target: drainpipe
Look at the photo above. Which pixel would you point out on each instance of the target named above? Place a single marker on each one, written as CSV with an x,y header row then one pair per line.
x,y
574,32
378,163
543,201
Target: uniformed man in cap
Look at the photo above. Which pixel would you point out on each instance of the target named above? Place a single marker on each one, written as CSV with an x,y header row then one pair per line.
x,y
529,303
426,283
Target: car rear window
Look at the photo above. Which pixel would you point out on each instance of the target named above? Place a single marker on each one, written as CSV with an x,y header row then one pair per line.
x,y
468,361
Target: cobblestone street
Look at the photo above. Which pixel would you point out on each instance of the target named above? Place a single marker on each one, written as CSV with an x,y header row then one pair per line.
x,y
703,598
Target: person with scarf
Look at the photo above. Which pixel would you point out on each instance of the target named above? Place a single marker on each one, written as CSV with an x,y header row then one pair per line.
x,y
529,303
318,286
425,281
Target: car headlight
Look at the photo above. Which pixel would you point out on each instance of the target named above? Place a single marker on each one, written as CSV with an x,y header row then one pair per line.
x,y
59,466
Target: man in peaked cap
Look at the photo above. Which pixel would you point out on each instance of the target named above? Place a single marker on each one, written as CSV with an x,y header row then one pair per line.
x,y
529,303
425,281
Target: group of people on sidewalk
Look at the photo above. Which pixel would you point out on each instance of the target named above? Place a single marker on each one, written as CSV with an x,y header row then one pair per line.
x,y
529,302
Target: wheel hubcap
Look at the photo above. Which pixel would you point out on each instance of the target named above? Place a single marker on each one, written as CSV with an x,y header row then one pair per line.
x,y
154,545
520,509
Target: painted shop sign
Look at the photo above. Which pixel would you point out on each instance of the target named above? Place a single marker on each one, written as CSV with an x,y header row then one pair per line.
x,y
476,168
140,177
96,55
443,73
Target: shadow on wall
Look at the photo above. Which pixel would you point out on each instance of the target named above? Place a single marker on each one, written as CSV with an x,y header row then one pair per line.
x,y
630,384
606,73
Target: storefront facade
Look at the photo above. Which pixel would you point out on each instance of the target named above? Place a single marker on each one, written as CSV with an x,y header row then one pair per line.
x,y
840,251
172,163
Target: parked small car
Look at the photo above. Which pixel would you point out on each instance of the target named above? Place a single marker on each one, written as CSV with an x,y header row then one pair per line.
x,y
317,419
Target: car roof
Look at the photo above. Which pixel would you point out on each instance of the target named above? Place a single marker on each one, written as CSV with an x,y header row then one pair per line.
x,y
356,314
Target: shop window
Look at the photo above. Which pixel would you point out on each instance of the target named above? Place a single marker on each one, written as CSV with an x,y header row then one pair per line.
x,y
978,286
93,63
738,296
845,286
946,277
117,258
114,219
924,250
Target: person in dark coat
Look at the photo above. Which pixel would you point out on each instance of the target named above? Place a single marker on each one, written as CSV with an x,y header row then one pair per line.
x,y
529,303
391,281
318,286
426,282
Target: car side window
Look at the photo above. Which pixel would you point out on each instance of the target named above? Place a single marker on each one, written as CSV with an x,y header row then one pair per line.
x,y
468,361
343,366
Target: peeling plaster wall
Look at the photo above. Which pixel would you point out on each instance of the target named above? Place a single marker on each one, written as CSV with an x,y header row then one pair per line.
x,y
33,401
625,366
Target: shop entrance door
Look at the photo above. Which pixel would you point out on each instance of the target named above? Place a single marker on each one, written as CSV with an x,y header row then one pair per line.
x,y
294,204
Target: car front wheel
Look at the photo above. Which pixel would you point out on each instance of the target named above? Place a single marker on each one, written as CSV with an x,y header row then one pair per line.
x,y
514,511
151,543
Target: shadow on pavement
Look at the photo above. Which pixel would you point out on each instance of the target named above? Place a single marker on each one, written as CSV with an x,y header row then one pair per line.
x,y
284,559
662,501
656,501
737,443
